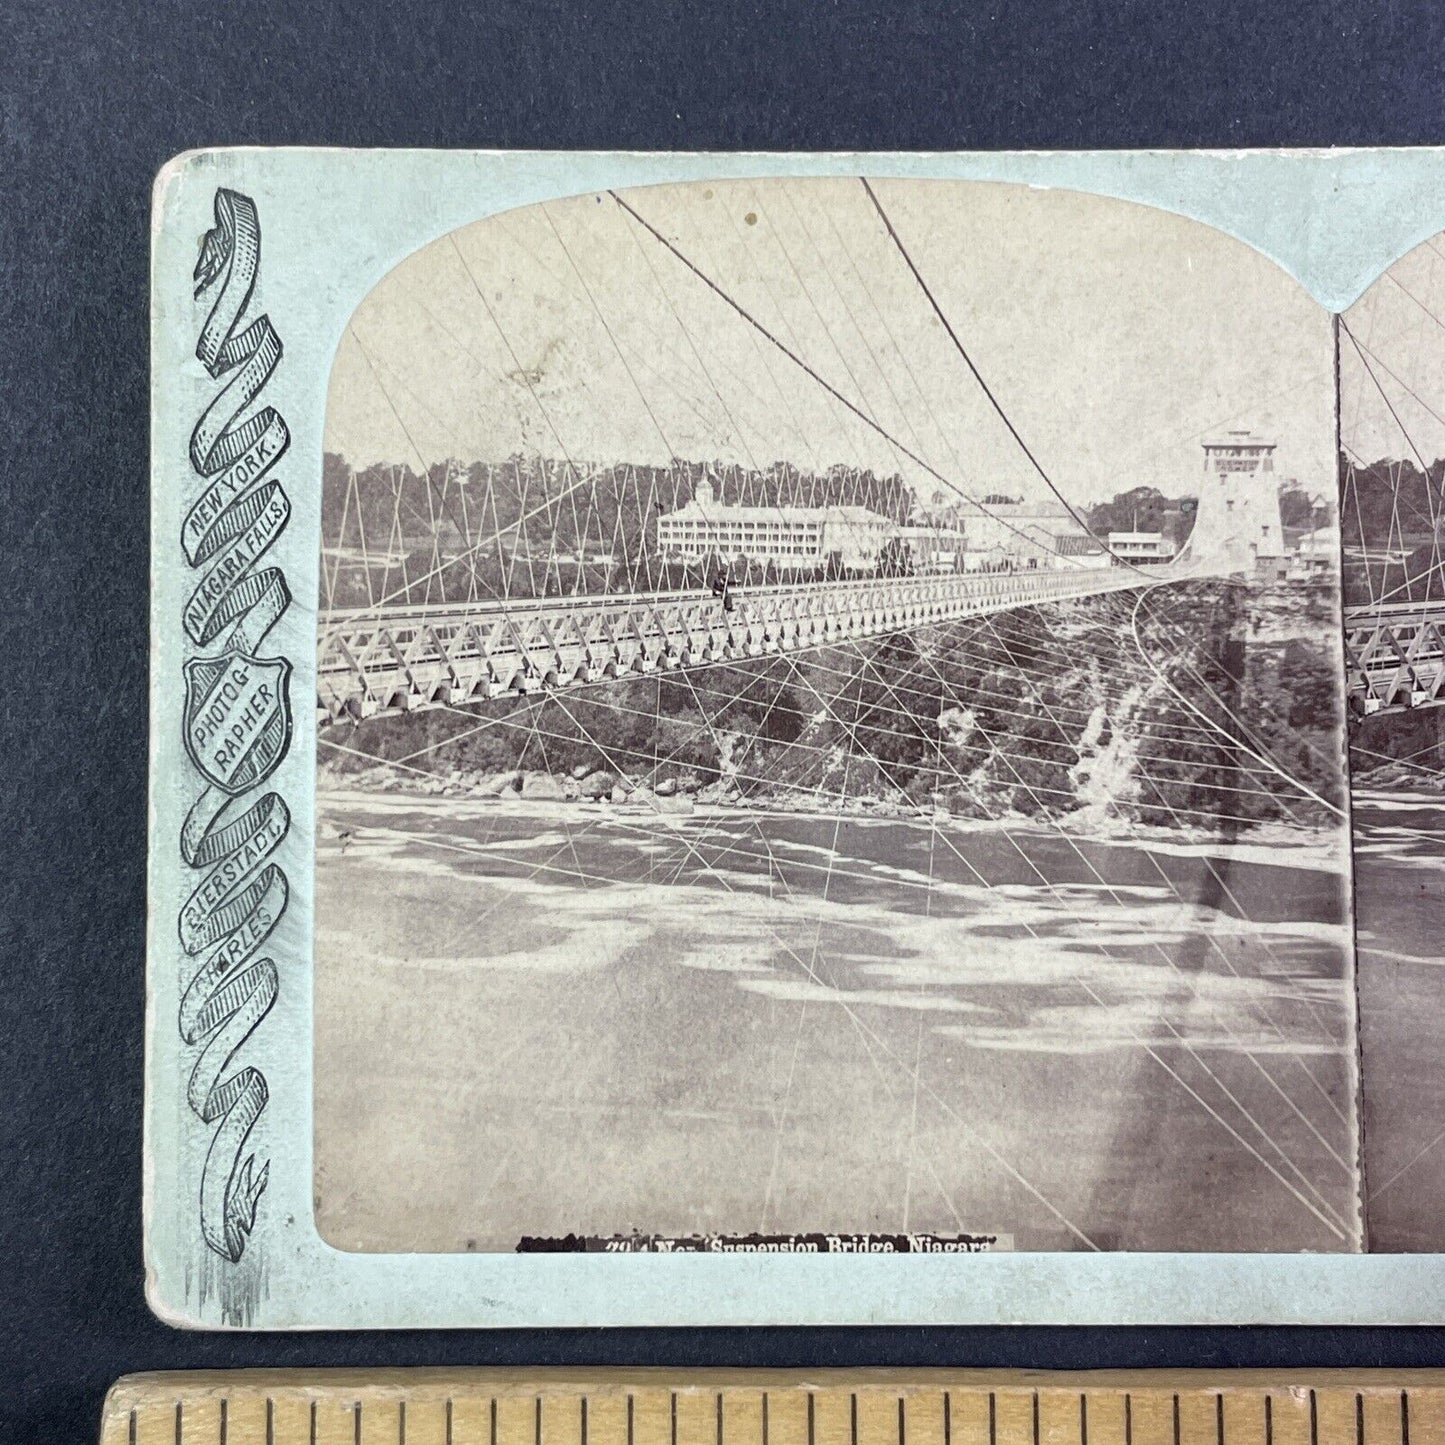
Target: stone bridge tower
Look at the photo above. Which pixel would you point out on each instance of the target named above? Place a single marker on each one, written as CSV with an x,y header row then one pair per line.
x,y
1238,528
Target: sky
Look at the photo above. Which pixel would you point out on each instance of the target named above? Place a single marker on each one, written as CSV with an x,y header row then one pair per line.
x,y
1114,337
1392,363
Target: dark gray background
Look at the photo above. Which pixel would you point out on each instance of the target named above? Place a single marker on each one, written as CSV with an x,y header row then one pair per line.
x,y
93,98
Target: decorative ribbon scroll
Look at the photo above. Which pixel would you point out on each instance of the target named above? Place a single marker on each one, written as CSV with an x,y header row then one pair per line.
x,y
237,724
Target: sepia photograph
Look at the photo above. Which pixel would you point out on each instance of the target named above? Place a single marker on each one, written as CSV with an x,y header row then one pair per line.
x,y
831,734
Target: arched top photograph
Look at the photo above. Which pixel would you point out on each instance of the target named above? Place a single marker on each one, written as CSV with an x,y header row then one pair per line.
x,y
842,677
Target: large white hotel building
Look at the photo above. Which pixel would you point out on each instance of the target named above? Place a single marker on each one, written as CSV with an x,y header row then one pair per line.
x,y
789,536
959,536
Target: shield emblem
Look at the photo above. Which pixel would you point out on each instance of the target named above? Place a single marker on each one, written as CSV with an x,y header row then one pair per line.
x,y
237,718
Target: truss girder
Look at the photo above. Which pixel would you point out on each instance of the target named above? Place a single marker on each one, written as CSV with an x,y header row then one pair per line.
x,y
1395,656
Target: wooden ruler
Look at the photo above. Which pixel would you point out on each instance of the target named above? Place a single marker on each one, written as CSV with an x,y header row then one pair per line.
x,y
749,1407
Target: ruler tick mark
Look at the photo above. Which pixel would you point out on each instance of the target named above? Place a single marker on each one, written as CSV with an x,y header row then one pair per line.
x,y
494,1420
356,1423
902,1423
1219,1419
1359,1419
947,1418
1128,1419
1036,1417
449,1420
1314,1420
1083,1418
132,1426
1404,1417
225,1423
719,1420
1176,1420
765,1419
811,1440
853,1416
1268,1421
629,1418
270,1422
674,1418
992,1418
178,1422
584,1420
401,1426
313,1422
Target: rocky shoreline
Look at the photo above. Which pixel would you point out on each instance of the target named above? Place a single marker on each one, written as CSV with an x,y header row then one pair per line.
x,y
674,793
1400,775
685,795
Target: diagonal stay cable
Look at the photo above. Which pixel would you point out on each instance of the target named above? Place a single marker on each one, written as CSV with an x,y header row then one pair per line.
x,y
1173,965
1404,432
993,401
822,381
871,1037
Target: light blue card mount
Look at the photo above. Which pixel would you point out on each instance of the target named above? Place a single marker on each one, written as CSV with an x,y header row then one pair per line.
x,y
760,739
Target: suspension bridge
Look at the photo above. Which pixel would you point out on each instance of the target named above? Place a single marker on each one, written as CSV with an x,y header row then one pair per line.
x,y
377,663
406,650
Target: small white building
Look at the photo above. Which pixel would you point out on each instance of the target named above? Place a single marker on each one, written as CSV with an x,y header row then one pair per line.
x,y
1006,532
1316,554
1141,548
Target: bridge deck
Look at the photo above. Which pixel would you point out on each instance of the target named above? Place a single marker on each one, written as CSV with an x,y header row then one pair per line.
x,y
401,658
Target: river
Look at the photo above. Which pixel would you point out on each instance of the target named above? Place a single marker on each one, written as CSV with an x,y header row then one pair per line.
x,y
536,1019
1400,918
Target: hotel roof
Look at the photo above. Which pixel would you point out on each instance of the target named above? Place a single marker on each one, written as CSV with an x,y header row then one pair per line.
x,y
718,512
1237,439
